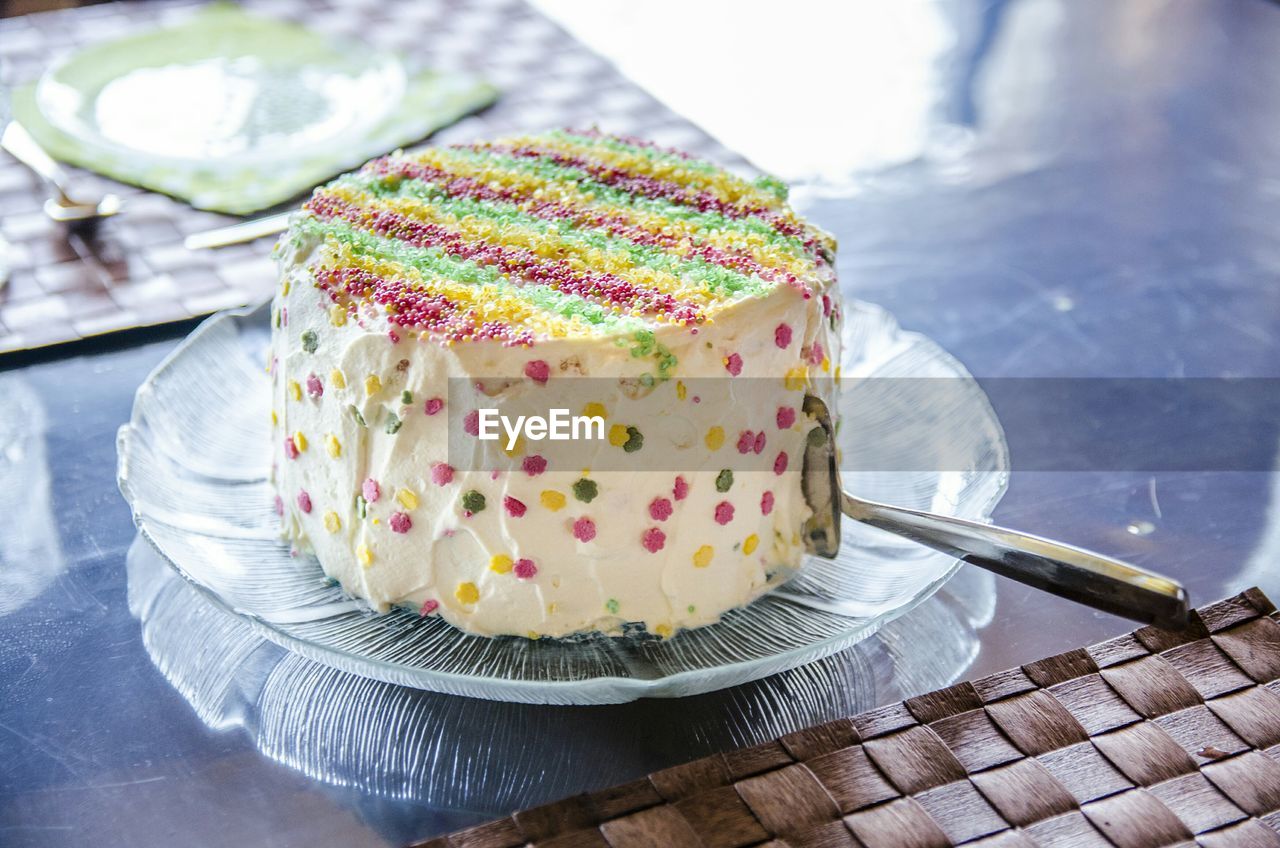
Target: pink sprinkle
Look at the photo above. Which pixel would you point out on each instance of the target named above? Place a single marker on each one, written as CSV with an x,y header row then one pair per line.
x,y
766,503
429,607
275,363
826,305
495,474
680,490
395,339
400,522
471,423
786,417
534,465
433,406
660,509
745,440
816,354
780,464
304,500
538,371
782,336
759,445
314,386
733,364
653,540
515,508
284,316
441,473
290,449
279,505
524,569
724,512
371,490
584,529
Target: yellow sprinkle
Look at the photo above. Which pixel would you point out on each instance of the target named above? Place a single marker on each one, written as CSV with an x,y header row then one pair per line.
x,y
595,410
516,449
372,385
275,419
295,390
364,555
681,391
333,446
284,286
467,593
702,556
826,364
749,544
337,316
797,378
299,441
618,435
500,563
552,500
407,498
663,630
838,375
332,522
338,379
715,438
551,609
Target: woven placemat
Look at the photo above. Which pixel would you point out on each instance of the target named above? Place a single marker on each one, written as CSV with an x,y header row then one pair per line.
x,y
137,273
1150,739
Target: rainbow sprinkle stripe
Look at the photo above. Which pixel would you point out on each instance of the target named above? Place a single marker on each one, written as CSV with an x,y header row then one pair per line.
x,y
553,235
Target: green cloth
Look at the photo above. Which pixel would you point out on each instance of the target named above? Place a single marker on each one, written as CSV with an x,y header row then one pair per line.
x,y
277,53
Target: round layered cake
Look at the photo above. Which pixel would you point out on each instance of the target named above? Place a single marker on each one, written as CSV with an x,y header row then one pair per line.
x,y
668,314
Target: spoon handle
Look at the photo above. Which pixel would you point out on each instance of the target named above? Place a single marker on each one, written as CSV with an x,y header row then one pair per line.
x,y
26,150
1069,572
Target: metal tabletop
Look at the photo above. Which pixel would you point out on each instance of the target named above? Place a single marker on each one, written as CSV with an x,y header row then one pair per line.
x,y
1095,196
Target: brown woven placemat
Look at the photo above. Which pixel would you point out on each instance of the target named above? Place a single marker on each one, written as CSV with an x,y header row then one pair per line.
x,y
137,273
1150,739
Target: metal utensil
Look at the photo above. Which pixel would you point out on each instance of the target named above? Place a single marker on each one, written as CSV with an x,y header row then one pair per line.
x,y
61,206
237,233
1068,572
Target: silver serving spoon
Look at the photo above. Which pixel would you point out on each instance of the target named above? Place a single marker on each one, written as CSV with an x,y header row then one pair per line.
x,y
1068,572
61,206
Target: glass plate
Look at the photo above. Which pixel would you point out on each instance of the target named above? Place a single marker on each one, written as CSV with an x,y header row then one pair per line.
x,y
194,462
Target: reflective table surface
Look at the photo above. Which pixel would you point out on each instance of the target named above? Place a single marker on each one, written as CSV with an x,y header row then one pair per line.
x,y
1089,189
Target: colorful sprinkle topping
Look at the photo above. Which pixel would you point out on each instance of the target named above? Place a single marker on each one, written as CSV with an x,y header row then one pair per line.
x,y
660,509
567,232
400,522
702,556
724,481
441,474
524,569
680,490
724,512
371,490
552,500
433,406
514,507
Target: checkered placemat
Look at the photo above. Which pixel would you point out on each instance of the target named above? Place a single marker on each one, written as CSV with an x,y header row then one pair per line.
x,y
135,271
1147,740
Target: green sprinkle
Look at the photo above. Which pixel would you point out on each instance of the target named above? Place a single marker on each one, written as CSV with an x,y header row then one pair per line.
x,y
692,608
612,605
586,490
724,481
773,185
393,423
646,380
309,341
277,319
634,441
406,397
355,413
362,507
473,502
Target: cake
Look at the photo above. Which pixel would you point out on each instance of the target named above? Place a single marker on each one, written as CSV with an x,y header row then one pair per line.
x,y
686,308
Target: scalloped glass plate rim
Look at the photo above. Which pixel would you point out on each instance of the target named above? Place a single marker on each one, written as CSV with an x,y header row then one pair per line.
x,y
605,688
